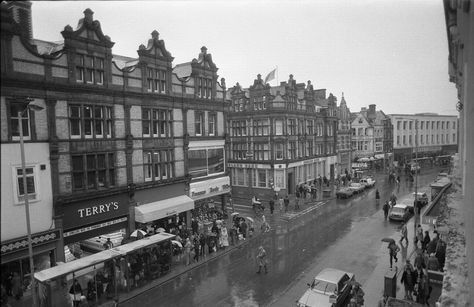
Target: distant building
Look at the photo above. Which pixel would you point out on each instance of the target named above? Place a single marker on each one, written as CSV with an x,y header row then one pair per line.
x,y
428,136
344,138
371,138
279,137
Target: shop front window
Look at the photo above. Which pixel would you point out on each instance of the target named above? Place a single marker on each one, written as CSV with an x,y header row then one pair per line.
x,y
205,162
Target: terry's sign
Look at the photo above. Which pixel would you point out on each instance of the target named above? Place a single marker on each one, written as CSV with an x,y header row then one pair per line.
x,y
79,214
113,205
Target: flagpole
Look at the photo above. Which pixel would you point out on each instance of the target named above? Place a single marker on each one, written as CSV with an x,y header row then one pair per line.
x,y
278,82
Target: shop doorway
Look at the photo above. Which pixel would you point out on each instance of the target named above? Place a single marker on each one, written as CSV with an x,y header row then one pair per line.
x,y
291,183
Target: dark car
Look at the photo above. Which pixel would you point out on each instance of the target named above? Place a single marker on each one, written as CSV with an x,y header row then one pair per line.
x,y
344,193
399,212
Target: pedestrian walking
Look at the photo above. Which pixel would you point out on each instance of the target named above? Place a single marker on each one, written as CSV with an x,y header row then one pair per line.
x,y
262,259
419,260
385,208
194,226
404,232
280,204
419,235
272,206
287,203
76,293
243,229
17,290
196,246
393,251
440,253
426,240
297,204
377,197
187,251
408,280
224,238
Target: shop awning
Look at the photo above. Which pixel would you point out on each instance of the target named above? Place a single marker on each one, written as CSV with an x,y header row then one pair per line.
x,y
163,208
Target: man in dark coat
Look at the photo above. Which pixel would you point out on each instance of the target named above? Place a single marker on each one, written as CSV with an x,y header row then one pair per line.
x,y
386,206
272,206
243,229
286,202
194,226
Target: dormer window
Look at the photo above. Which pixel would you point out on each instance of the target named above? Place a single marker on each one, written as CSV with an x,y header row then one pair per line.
x,y
156,80
89,69
204,88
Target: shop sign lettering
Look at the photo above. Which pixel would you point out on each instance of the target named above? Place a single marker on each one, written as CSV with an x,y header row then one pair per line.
x,y
210,190
99,209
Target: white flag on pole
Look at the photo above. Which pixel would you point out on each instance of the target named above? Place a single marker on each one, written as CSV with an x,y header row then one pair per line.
x,y
270,76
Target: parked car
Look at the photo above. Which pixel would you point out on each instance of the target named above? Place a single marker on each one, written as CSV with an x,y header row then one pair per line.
x,y
421,198
399,212
369,182
415,167
330,288
344,193
356,187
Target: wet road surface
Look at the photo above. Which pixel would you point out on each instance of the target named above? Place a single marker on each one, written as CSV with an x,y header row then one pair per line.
x,y
342,233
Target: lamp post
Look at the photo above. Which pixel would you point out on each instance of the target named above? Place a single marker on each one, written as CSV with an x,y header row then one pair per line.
x,y
33,107
415,205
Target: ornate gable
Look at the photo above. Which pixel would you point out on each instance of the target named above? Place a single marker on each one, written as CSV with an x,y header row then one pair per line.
x,y
259,84
237,90
204,61
155,49
88,30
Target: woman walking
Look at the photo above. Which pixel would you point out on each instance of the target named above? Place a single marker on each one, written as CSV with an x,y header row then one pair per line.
x,y
262,259
187,251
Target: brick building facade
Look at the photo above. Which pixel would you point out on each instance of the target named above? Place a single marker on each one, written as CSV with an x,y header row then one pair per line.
x,y
279,137
125,142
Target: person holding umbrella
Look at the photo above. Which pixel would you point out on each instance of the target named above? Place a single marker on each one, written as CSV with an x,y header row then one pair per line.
x,y
393,250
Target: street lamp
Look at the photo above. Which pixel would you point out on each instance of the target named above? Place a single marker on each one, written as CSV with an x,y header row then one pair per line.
x,y
35,107
415,205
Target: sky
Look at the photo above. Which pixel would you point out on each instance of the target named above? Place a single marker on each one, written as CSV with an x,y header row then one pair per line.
x,y
392,53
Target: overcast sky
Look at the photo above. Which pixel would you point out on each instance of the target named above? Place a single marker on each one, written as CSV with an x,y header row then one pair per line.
x,y
392,53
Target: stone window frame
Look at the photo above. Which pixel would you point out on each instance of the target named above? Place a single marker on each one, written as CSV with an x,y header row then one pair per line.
x,y
86,64
153,119
82,167
157,161
105,120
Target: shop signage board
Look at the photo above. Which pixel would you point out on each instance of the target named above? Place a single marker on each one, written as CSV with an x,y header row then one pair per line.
x,y
95,211
209,188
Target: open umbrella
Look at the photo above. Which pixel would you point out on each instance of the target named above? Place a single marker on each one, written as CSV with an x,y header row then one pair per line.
x,y
177,243
160,229
137,233
234,213
388,240
249,218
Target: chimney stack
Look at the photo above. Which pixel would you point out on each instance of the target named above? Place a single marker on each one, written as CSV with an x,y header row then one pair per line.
x,y
21,12
371,113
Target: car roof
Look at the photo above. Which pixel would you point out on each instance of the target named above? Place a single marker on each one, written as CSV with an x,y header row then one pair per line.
x,y
402,206
331,275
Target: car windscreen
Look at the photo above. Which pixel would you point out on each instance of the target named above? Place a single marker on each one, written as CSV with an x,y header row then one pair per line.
x,y
324,286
